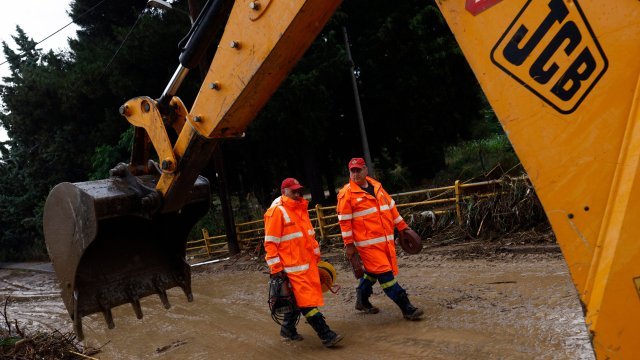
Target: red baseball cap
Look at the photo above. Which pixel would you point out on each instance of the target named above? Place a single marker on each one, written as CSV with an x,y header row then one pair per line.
x,y
291,183
356,163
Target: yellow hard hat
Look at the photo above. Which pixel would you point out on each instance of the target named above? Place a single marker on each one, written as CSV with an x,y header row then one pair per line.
x,y
327,276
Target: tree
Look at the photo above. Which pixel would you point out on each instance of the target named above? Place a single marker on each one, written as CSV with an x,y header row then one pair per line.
x,y
418,96
34,116
61,108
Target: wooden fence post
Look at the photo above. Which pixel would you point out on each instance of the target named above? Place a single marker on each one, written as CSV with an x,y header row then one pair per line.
x,y
205,235
239,236
458,197
320,215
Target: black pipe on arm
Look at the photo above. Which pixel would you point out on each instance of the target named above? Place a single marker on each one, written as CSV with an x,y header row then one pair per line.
x,y
212,19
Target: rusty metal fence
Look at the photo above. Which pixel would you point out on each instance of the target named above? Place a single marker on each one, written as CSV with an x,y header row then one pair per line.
x,y
433,202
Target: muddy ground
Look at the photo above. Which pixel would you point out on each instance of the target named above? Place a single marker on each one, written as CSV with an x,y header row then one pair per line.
x,y
480,302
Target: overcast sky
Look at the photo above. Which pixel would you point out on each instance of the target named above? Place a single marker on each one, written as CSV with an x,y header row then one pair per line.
x,y
39,19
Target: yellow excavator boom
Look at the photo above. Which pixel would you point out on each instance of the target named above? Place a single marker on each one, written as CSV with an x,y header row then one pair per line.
x,y
563,78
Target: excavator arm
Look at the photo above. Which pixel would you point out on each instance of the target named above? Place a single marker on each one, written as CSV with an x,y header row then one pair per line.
x,y
261,43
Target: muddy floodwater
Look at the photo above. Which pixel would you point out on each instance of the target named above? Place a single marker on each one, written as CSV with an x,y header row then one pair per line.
x,y
506,307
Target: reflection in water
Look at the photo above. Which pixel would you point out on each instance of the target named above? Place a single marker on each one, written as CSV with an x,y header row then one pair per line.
x,y
521,308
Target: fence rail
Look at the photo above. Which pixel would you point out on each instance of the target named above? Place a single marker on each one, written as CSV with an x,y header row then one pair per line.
x,y
438,201
208,246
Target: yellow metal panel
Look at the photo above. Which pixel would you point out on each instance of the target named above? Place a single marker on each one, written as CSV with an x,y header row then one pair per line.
x,y
614,305
253,57
561,76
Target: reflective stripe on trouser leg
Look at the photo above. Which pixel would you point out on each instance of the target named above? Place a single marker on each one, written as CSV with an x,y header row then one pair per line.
x,y
310,311
366,284
390,285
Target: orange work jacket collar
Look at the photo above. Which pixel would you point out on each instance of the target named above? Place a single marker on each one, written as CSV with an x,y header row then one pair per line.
x,y
289,203
356,188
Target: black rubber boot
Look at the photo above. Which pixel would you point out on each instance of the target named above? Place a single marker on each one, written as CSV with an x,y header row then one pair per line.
x,y
409,311
328,337
363,304
288,329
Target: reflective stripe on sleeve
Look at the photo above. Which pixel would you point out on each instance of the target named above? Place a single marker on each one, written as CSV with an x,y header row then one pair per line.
x,y
316,250
384,207
345,217
269,238
393,203
397,220
347,233
296,268
275,260
311,232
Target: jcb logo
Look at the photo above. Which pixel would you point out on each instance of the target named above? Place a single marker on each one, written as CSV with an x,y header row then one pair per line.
x,y
551,49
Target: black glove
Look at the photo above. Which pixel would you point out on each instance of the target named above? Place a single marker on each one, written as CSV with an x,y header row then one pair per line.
x,y
276,275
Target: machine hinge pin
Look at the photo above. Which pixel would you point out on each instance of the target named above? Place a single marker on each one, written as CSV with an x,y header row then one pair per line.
x,y
124,110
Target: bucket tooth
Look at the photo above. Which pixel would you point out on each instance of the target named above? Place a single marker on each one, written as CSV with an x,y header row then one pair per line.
x,y
135,301
162,293
185,285
108,317
160,282
187,292
103,302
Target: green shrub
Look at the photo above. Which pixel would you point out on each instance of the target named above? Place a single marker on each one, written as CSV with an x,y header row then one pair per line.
x,y
468,159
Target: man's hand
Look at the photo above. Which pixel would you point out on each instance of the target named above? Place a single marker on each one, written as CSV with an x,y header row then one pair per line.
x,y
349,250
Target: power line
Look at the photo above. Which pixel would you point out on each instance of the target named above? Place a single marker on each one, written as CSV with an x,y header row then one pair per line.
x,y
62,28
121,44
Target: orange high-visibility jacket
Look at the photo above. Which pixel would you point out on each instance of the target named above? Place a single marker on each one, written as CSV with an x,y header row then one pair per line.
x,y
291,246
368,222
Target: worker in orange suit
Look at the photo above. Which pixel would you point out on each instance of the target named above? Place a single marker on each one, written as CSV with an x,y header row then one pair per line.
x,y
293,252
367,216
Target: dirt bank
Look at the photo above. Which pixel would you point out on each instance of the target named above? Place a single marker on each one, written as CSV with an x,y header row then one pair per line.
x,y
485,303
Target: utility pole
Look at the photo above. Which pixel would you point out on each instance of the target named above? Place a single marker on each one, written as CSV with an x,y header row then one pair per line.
x,y
356,96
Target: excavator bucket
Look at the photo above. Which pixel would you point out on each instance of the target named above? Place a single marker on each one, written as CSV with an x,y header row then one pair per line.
x,y
106,249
